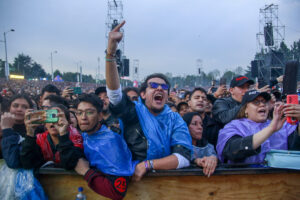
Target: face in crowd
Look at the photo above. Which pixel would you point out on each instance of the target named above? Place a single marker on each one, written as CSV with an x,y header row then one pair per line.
x,y
195,127
197,103
133,96
155,98
103,96
257,110
50,126
238,92
18,107
88,117
183,109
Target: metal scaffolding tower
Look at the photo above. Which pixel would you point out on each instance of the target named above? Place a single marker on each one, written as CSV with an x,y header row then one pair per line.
x,y
114,17
269,28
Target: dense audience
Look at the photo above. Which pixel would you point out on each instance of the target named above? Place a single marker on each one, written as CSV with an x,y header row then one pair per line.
x,y
108,134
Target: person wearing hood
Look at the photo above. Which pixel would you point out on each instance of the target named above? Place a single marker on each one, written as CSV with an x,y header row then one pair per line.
x,y
156,136
248,138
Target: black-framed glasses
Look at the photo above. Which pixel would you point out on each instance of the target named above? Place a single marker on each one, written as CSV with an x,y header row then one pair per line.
x,y
86,112
257,102
156,85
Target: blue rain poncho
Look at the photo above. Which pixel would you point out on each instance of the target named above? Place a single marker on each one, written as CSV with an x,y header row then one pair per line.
x,y
108,152
163,131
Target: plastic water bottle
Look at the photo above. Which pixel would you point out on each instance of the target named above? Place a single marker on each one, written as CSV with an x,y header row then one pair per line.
x,y
80,195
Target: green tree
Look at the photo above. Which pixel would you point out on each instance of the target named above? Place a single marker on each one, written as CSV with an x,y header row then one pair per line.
x,y
23,65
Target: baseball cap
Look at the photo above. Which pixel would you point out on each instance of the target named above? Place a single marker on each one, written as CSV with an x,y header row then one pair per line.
x,y
253,94
238,81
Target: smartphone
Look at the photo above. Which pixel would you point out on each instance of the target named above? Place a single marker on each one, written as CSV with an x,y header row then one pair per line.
x,y
47,116
213,89
77,90
292,99
223,81
261,82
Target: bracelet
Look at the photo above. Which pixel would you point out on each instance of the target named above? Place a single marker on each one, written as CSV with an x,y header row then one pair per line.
x,y
110,55
151,165
110,59
146,165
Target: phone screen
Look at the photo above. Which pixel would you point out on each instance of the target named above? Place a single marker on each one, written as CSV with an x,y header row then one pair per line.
x,y
47,116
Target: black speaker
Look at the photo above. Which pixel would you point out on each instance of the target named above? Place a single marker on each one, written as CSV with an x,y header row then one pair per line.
x,y
254,68
268,34
289,79
125,67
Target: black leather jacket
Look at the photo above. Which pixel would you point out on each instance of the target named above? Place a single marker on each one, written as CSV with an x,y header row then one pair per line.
x,y
225,110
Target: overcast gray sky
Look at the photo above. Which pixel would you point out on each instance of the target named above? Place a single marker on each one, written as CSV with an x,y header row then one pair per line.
x,y
165,35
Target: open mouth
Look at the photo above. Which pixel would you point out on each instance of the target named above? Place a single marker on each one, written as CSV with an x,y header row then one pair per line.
x,y
262,111
158,98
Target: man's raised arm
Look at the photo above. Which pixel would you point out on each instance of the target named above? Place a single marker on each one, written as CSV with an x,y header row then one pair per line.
x,y
111,74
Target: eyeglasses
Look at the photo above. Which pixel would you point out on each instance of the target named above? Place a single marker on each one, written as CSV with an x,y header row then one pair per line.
x,y
87,112
156,85
257,102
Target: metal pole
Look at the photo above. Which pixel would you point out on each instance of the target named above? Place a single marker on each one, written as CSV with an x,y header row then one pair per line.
x,y
51,67
6,63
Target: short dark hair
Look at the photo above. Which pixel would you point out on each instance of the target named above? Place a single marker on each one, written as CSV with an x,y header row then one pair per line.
x,y
92,99
20,96
197,89
100,89
144,85
54,99
128,89
50,88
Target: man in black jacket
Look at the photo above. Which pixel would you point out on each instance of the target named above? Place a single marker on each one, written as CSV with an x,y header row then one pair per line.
x,y
226,109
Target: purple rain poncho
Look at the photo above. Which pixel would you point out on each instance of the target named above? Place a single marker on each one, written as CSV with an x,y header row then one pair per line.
x,y
246,127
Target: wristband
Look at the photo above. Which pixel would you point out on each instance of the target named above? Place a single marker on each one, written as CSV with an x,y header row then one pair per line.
x,y
151,165
110,60
146,165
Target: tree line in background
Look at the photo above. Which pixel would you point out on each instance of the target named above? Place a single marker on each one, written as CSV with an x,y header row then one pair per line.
x,y
24,65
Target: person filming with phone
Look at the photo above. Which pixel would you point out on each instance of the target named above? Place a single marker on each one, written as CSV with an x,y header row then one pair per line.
x,y
251,135
58,145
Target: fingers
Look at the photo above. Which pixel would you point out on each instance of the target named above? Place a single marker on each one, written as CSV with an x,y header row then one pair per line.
x,y
118,27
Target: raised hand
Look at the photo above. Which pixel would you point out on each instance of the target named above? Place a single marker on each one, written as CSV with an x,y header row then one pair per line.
x,y
62,124
7,120
278,119
114,37
29,119
292,110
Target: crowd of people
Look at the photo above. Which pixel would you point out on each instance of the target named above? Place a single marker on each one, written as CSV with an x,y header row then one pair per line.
x,y
111,135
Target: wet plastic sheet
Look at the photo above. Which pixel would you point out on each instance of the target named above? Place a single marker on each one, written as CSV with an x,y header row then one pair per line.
x,y
19,184
7,183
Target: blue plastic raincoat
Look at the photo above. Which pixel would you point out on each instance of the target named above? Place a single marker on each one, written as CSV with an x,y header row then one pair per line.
x,y
108,152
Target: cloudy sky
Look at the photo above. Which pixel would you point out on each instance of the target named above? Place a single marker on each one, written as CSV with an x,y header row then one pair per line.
x,y
164,35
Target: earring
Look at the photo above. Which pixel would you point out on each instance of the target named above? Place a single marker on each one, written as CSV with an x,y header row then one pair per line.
x,y
246,115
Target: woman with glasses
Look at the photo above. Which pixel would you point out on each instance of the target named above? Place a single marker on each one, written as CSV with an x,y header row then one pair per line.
x,y
248,138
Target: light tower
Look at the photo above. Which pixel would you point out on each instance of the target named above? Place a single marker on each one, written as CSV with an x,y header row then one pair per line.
x,y
114,17
135,72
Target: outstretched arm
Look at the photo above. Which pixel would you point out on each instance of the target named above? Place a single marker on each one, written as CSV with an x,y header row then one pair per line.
x,y
111,75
